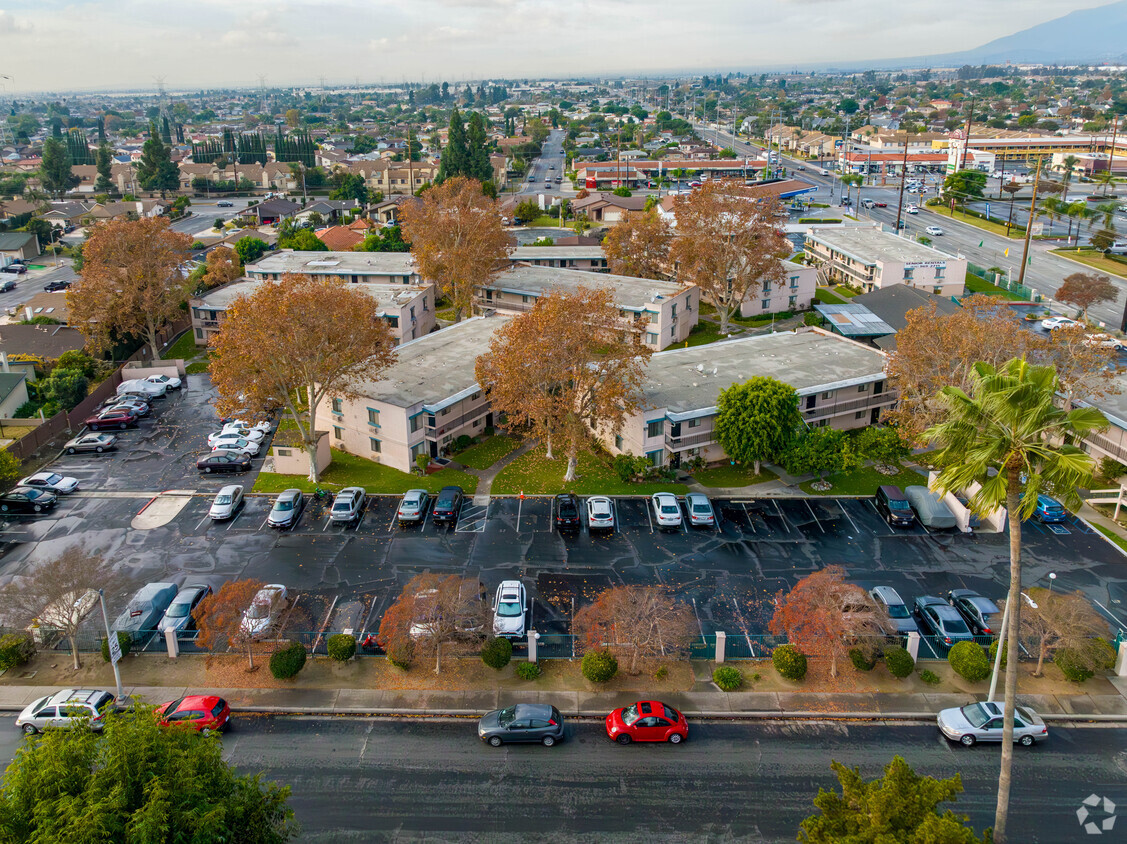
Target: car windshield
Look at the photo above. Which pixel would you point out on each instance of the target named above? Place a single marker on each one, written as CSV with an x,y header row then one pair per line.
x,y
507,716
630,714
976,716
283,506
104,704
701,508
53,479
259,609
898,611
898,504
223,498
178,610
509,609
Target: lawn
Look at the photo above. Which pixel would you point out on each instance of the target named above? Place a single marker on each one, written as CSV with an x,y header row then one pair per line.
x,y
827,297
704,333
534,474
729,476
865,481
485,454
842,290
350,470
994,228
974,284
1112,535
1092,258
184,348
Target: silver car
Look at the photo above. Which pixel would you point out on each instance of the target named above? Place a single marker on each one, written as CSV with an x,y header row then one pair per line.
x,y
699,509
983,722
287,509
897,610
348,505
67,708
178,616
413,507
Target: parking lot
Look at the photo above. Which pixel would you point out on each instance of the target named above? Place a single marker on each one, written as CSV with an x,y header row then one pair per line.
x,y
728,573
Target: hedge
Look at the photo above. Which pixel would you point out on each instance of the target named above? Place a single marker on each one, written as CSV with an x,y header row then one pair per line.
x,y
496,653
285,663
124,640
860,661
789,661
15,650
599,666
899,662
969,661
341,647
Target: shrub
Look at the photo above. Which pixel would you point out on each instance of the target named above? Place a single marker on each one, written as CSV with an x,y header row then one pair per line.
x,y
929,677
496,653
969,661
401,654
994,655
661,673
1110,468
123,639
728,678
899,661
527,670
789,661
1078,666
15,649
860,661
462,442
285,663
341,647
599,666
812,318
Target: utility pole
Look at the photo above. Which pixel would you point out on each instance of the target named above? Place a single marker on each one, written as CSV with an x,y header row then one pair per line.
x,y
1029,227
1111,155
903,180
966,140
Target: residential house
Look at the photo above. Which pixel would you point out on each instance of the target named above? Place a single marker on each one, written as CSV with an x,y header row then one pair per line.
x,y
794,292
45,342
272,211
41,303
892,304
13,391
355,267
608,208
331,210
18,245
590,257
340,238
69,213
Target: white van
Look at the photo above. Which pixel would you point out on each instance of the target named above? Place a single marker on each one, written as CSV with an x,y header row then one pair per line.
x,y
140,385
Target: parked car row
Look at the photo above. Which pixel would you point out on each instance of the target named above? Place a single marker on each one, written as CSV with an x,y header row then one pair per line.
x,y
233,446
962,616
164,606
645,720
88,707
901,508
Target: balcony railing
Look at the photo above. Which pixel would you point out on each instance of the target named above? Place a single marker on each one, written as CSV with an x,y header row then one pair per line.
x,y
685,441
830,408
1116,450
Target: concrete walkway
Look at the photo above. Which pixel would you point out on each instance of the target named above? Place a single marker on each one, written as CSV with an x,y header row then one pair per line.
x,y
485,477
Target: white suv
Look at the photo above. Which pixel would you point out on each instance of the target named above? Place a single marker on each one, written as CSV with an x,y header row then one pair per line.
x,y
667,512
509,608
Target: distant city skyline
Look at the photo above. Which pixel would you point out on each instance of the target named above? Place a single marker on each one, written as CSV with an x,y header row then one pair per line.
x,y
49,45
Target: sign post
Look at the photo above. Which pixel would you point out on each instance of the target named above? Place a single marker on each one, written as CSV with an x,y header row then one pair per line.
x,y
113,644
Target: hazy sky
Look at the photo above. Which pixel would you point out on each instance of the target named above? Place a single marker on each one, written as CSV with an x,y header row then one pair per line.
x,y
54,45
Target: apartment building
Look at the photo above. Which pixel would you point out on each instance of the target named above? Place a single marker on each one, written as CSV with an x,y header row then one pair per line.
x,y
840,384
421,403
407,309
354,267
667,310
870,258
795,292
561,257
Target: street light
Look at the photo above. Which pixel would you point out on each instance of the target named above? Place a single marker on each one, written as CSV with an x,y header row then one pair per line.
x,y
1002,642
1052,577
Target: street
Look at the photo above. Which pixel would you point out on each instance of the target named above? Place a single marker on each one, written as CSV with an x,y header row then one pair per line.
x,y
357,779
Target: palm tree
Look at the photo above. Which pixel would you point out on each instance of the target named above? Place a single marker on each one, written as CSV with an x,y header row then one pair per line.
x,y
1053,208
1068,166
1011,426
1075,211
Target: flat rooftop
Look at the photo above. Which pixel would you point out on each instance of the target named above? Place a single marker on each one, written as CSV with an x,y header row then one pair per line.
x,y
335,263
435,369
629,292
688,381
871,245
386,295
853,320
531,253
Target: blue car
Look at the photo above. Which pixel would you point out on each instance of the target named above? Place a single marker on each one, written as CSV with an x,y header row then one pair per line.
x,y
1049,510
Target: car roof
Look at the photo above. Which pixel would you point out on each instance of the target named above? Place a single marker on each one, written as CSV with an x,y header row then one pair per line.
x,y
534,710
414,494
1048,500
663,495
930,600
192,591
887,594
231,489
696,496
289,493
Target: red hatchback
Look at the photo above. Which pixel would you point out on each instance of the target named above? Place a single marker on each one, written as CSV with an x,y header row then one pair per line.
x,y
647,720
204,713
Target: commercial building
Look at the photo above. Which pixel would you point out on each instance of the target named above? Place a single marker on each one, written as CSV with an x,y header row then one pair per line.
x,y
407,309
354,267
840,384
561,257
421,403
870,258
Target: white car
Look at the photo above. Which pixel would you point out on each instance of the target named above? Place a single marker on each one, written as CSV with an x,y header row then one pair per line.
x,y
52,481
935,231
509,608
983,722
1105,341
140,385
232,442
264,609
255,435
667,512
263,426
912,209
1053,323
600,513
226,502
168,382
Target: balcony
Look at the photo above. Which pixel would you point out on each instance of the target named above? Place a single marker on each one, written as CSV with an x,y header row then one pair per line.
x,y
1109,446
686,441
830,408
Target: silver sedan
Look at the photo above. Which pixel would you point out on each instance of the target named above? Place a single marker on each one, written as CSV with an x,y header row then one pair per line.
x,y
983,722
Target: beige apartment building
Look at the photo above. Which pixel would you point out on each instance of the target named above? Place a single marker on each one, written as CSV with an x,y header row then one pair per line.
x,y
794,293
421,403
667,310
591,258
407,309
870,258
840,383
353,267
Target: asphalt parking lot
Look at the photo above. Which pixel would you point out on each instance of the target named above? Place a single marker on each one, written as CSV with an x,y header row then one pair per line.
x,y
728,573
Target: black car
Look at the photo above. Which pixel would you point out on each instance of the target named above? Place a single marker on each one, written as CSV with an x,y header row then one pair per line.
x,y
981,614
24,499
891,503
223,461
567,511
524,722
938,618
223,203
15,269
53,286
447,504
7,285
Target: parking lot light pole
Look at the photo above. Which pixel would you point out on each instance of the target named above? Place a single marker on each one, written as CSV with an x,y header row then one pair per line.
x,y
106,622
1002,644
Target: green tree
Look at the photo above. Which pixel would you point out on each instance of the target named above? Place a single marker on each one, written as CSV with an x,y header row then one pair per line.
x,y
821,452
302,240
103,160
351,186
54,168
455,155
250,249
757,420
964,185
477,150
901,806
156,171
527,210
137,781
64,387
389,239
1010,436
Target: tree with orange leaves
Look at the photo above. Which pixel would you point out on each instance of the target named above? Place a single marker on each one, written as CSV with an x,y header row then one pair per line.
x,y
457,239
727,244
223,266
219,616
434,614
642,622
566,366
298,337
131,282
639,246
825,615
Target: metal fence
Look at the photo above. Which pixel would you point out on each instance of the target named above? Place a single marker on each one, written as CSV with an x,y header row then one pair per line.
x,y
1004,282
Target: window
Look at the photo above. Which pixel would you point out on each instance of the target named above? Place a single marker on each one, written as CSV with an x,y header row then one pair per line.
x,y
673,309
373,417
656,428
199,333
792,301
939,271
525,299
907,274
689,304
338,432
860,414
412,312
766,303
794,282
672,332
425,308
694,423
338,406
444,411
862,388
477,423
651,338
651,316
766,287
416,423
393,321
828,395
417,449
618,441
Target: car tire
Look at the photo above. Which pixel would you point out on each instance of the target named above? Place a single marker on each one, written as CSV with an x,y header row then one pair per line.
x,y
1026,741
99,449
71,450
37,508
967,740
549,741
123,426
95,428
4,508
495,741
29,730
624,739
676,738
207,470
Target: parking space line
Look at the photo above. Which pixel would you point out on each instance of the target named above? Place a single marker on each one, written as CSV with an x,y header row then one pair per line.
x,y
617,521
846,514
520,505
235,517
206,518
328,521
779,510
649,518
750,521
813,516
891,532
1112,615
552,515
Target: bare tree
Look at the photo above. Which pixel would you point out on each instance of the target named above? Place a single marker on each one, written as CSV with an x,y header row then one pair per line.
x,y
1086,367
58,594
1063,621
435,615
219,616
825,615
1086,289
642,622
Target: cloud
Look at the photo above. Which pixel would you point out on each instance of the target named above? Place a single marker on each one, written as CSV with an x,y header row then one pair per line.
x,y
12,26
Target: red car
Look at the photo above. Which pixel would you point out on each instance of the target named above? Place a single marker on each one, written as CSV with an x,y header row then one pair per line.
x,y
204,713
112,419
647,720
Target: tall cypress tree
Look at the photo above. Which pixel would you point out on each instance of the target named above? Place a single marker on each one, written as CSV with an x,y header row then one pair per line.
x,y
103,160
54,168
477,144
165,130
455,155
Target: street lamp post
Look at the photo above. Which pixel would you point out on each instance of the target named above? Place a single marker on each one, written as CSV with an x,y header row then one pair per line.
x,y
1052,577
1002,643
